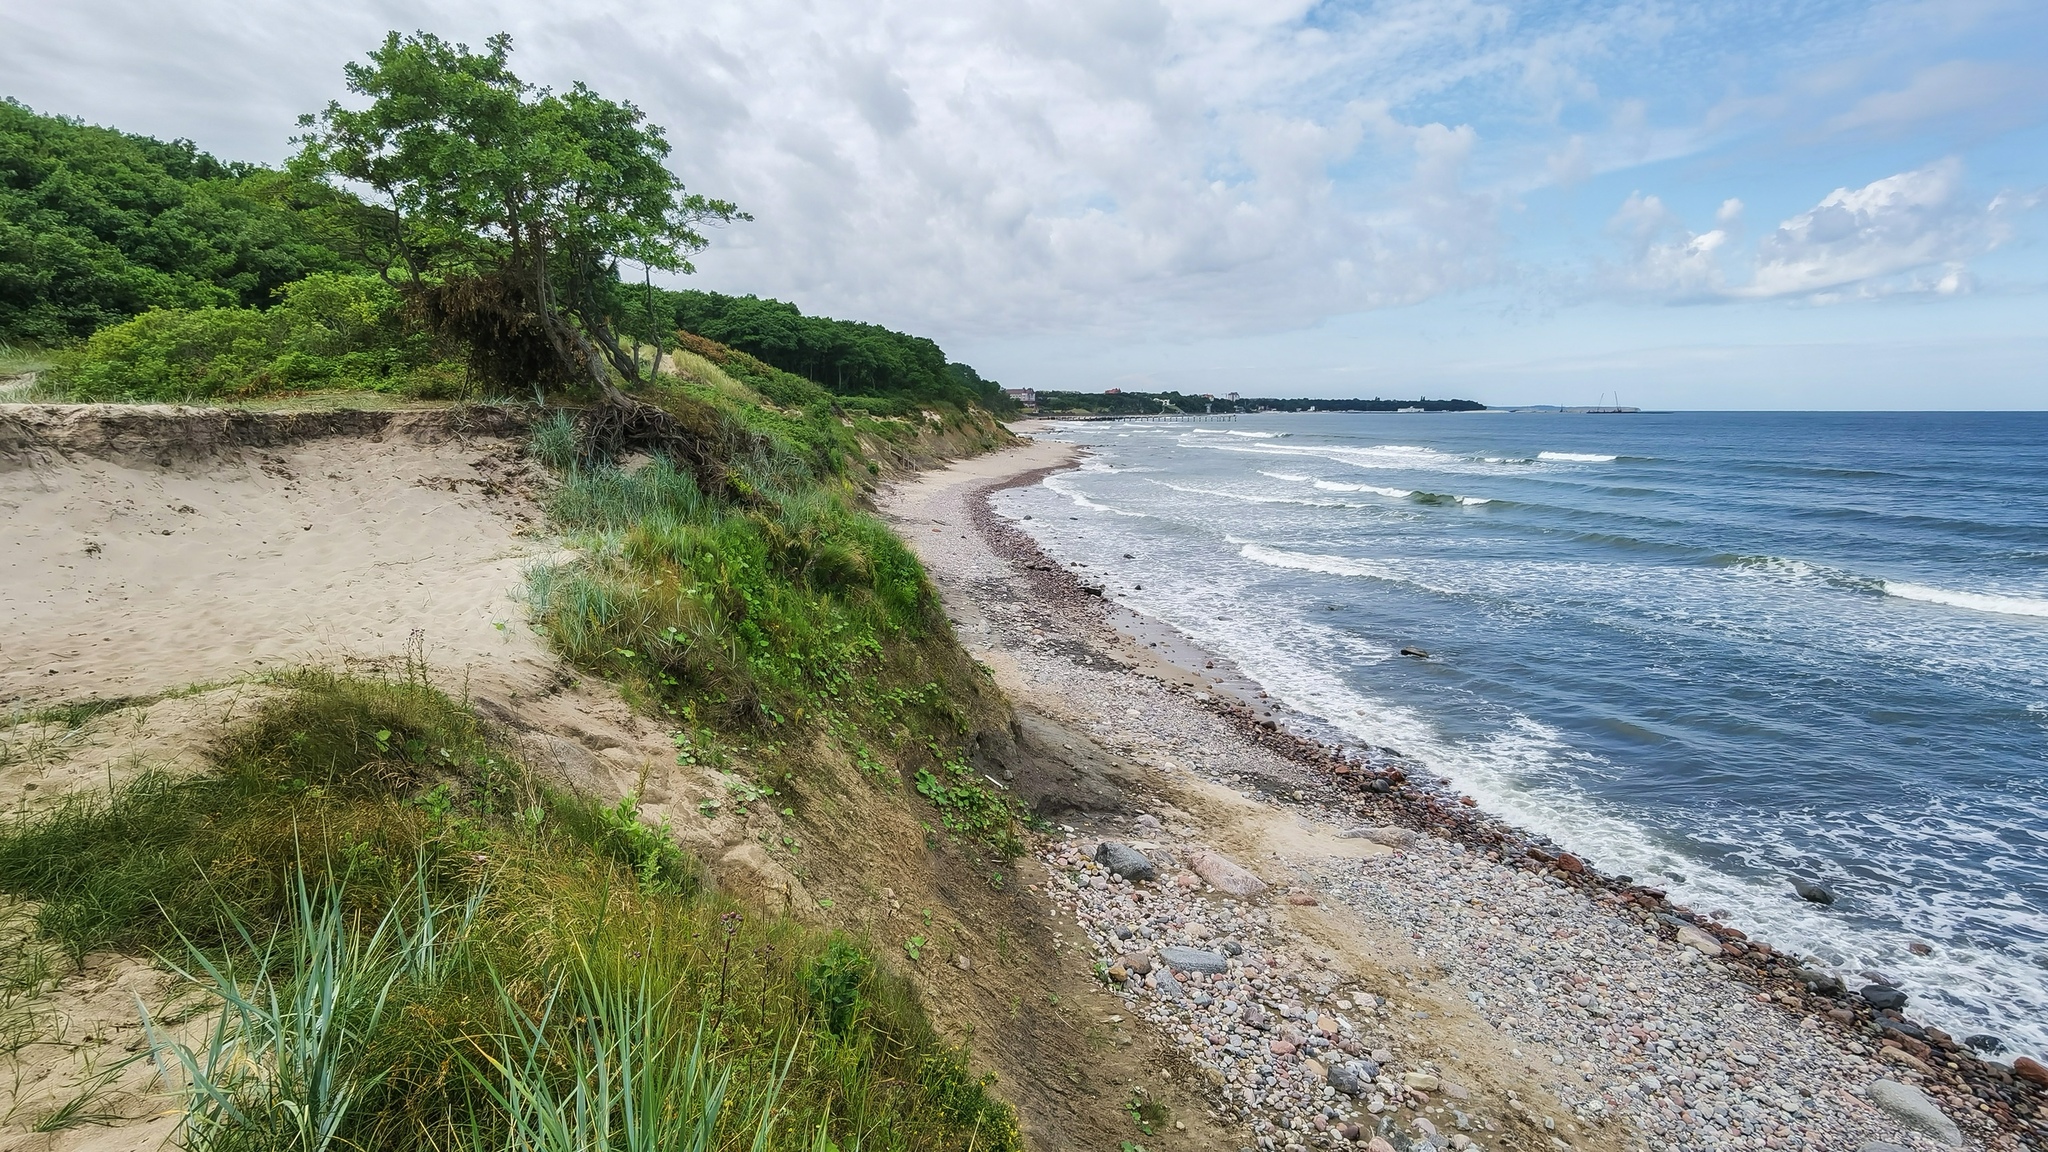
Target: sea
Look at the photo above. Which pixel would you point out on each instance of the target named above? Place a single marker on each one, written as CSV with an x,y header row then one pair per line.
x,y
1711,651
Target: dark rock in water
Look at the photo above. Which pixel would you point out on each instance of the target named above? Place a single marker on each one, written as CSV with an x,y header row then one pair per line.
x,y
1903,1028
1880,997
1125,861
1182,959
1987,1044
1808,890
1825,983
1344,1078
1418,653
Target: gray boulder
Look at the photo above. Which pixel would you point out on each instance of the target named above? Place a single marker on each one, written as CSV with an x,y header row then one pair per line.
x,y
1182,959
1911,1107
1168,987
1125,861
1344,1078
1812,892
1883,996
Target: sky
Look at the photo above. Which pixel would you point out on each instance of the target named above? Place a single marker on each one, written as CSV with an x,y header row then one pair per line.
x,y
1770,204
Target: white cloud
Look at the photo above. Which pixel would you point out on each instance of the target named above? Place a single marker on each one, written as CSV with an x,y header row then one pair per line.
x,y
1863,235
1908,233
1666,260
1943,90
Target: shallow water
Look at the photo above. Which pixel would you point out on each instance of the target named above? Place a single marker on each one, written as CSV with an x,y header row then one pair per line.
x,y
1710,651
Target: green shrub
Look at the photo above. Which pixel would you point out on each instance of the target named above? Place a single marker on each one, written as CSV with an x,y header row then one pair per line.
x,y
329,331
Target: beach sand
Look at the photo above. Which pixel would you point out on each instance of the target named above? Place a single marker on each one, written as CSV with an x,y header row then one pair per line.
x,y
1471,995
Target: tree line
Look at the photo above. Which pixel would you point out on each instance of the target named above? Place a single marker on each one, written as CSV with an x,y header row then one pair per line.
x,y
452,227
1170,403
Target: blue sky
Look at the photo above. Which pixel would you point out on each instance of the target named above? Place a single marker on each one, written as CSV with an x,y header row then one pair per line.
x,y
1764,205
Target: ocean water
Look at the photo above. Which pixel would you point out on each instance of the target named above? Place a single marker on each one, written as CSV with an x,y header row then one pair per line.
x,y
1710,651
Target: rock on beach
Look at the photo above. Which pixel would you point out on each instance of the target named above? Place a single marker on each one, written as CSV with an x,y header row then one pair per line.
x,y
1911,1107
1225,875
1124,861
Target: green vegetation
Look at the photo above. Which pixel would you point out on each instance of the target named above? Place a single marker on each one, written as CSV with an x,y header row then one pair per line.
x,y
502,210
465,233
888,371
765,603
329,331
1169,403
399,939
97,226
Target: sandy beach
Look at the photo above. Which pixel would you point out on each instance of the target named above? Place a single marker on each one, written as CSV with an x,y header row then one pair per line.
x,y
1395,968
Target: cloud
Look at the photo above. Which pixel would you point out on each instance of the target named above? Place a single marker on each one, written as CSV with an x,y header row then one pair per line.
x,y
1890,226
1944,90
1666,260
1912,232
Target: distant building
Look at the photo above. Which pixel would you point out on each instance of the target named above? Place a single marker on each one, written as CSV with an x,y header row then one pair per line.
x,y
1112,391
1232,396
1025,396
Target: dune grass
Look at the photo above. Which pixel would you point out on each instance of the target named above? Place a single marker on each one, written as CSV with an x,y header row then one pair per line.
x,y
788,611
407,942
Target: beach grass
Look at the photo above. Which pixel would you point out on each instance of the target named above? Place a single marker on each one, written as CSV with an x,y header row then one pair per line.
x,y
405,941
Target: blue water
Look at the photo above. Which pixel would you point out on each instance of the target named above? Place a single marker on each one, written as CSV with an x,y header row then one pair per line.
x,y
1710,651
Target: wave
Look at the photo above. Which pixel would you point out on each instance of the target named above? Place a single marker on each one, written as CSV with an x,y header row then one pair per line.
x,y
1313,562
1055,483
1389,493
1249,497
1576,457
1975,601
1288,476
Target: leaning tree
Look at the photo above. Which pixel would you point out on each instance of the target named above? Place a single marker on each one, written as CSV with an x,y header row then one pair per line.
x,y
501,210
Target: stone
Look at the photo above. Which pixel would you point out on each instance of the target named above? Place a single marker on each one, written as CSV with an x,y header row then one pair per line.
x,y
1193,960
1136,962
2031,1070
1119,973
1986,1043
1169,988
1386,835
1224,874
1699,941
1880,1146
1811,892
1825,983
1149,823
1124,861
1378,1144
1314,1067
1420,1082
1920,948
1566,862
1911,1107
1881,996
963,962
1344,1078
1280,1047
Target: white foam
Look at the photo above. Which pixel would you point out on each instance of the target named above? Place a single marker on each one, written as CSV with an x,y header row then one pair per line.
x,y
1472,501
1576,457
1312,562
1389,493
1247,497
1288,476
1057,484
1975,601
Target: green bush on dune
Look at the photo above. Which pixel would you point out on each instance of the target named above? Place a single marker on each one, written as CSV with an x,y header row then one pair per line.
x,y
330,330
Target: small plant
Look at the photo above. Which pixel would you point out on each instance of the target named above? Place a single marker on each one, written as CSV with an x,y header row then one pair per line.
x,y
555,442
915,946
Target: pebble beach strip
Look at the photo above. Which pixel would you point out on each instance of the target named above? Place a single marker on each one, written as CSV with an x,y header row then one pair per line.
x,y
1643,1033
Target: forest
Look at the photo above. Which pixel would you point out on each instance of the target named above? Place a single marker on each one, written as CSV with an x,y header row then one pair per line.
x,y
1171,403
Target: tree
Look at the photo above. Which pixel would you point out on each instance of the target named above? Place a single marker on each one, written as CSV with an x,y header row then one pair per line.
x,y
503,210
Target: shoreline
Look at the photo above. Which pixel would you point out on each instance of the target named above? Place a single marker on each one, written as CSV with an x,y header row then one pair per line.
x,y
1380,787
